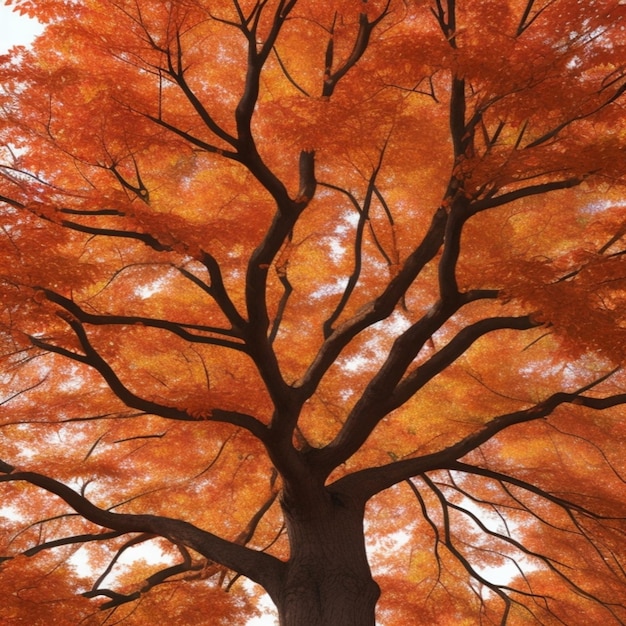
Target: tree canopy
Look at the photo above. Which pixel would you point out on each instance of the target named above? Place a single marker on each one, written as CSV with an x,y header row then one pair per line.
x,y
329,296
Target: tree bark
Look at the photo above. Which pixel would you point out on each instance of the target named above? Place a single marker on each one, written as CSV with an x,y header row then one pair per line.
x,y
328,581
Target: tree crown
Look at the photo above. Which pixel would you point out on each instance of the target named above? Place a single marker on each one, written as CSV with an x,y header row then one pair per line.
x,y
367,252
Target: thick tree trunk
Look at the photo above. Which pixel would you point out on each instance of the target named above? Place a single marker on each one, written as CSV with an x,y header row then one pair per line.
x,y
328,580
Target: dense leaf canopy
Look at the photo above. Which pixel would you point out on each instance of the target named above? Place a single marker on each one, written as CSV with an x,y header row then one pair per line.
x,y
258,253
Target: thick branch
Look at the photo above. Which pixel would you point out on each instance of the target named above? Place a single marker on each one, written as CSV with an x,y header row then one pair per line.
x,y
65,541
386,391
218,290
457,118
446,17
448,286
257,331
360,46
367,482
258,566
378,309
256,61
306,170
524,192
457,346
149,240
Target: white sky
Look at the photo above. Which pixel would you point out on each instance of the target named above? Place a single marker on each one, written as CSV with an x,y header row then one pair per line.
x,y
15,29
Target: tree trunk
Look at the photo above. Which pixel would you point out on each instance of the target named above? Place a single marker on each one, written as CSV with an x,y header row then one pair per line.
x,y
328,580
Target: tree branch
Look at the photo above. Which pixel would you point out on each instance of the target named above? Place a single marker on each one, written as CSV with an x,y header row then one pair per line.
x,y
145,238
192,139
65,541
524,192
526,486
180,329
376,310
363,212
262,568
177,73
457,346
459,556
577,118
155,579
385,392
360,46
367,482
93,359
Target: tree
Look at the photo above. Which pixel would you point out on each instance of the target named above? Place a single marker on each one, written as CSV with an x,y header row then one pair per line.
x,y
271,268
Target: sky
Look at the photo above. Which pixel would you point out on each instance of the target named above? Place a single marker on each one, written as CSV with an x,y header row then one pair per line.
x,y
15,29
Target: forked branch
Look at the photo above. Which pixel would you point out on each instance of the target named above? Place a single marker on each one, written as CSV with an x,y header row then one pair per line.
x,y
94,359
367,482
262,568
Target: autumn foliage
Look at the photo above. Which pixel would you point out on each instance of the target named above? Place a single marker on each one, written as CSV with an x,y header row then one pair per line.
x,y
327,296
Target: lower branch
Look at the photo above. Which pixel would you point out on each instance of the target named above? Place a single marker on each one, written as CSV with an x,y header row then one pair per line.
x,y
262,568
160,577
